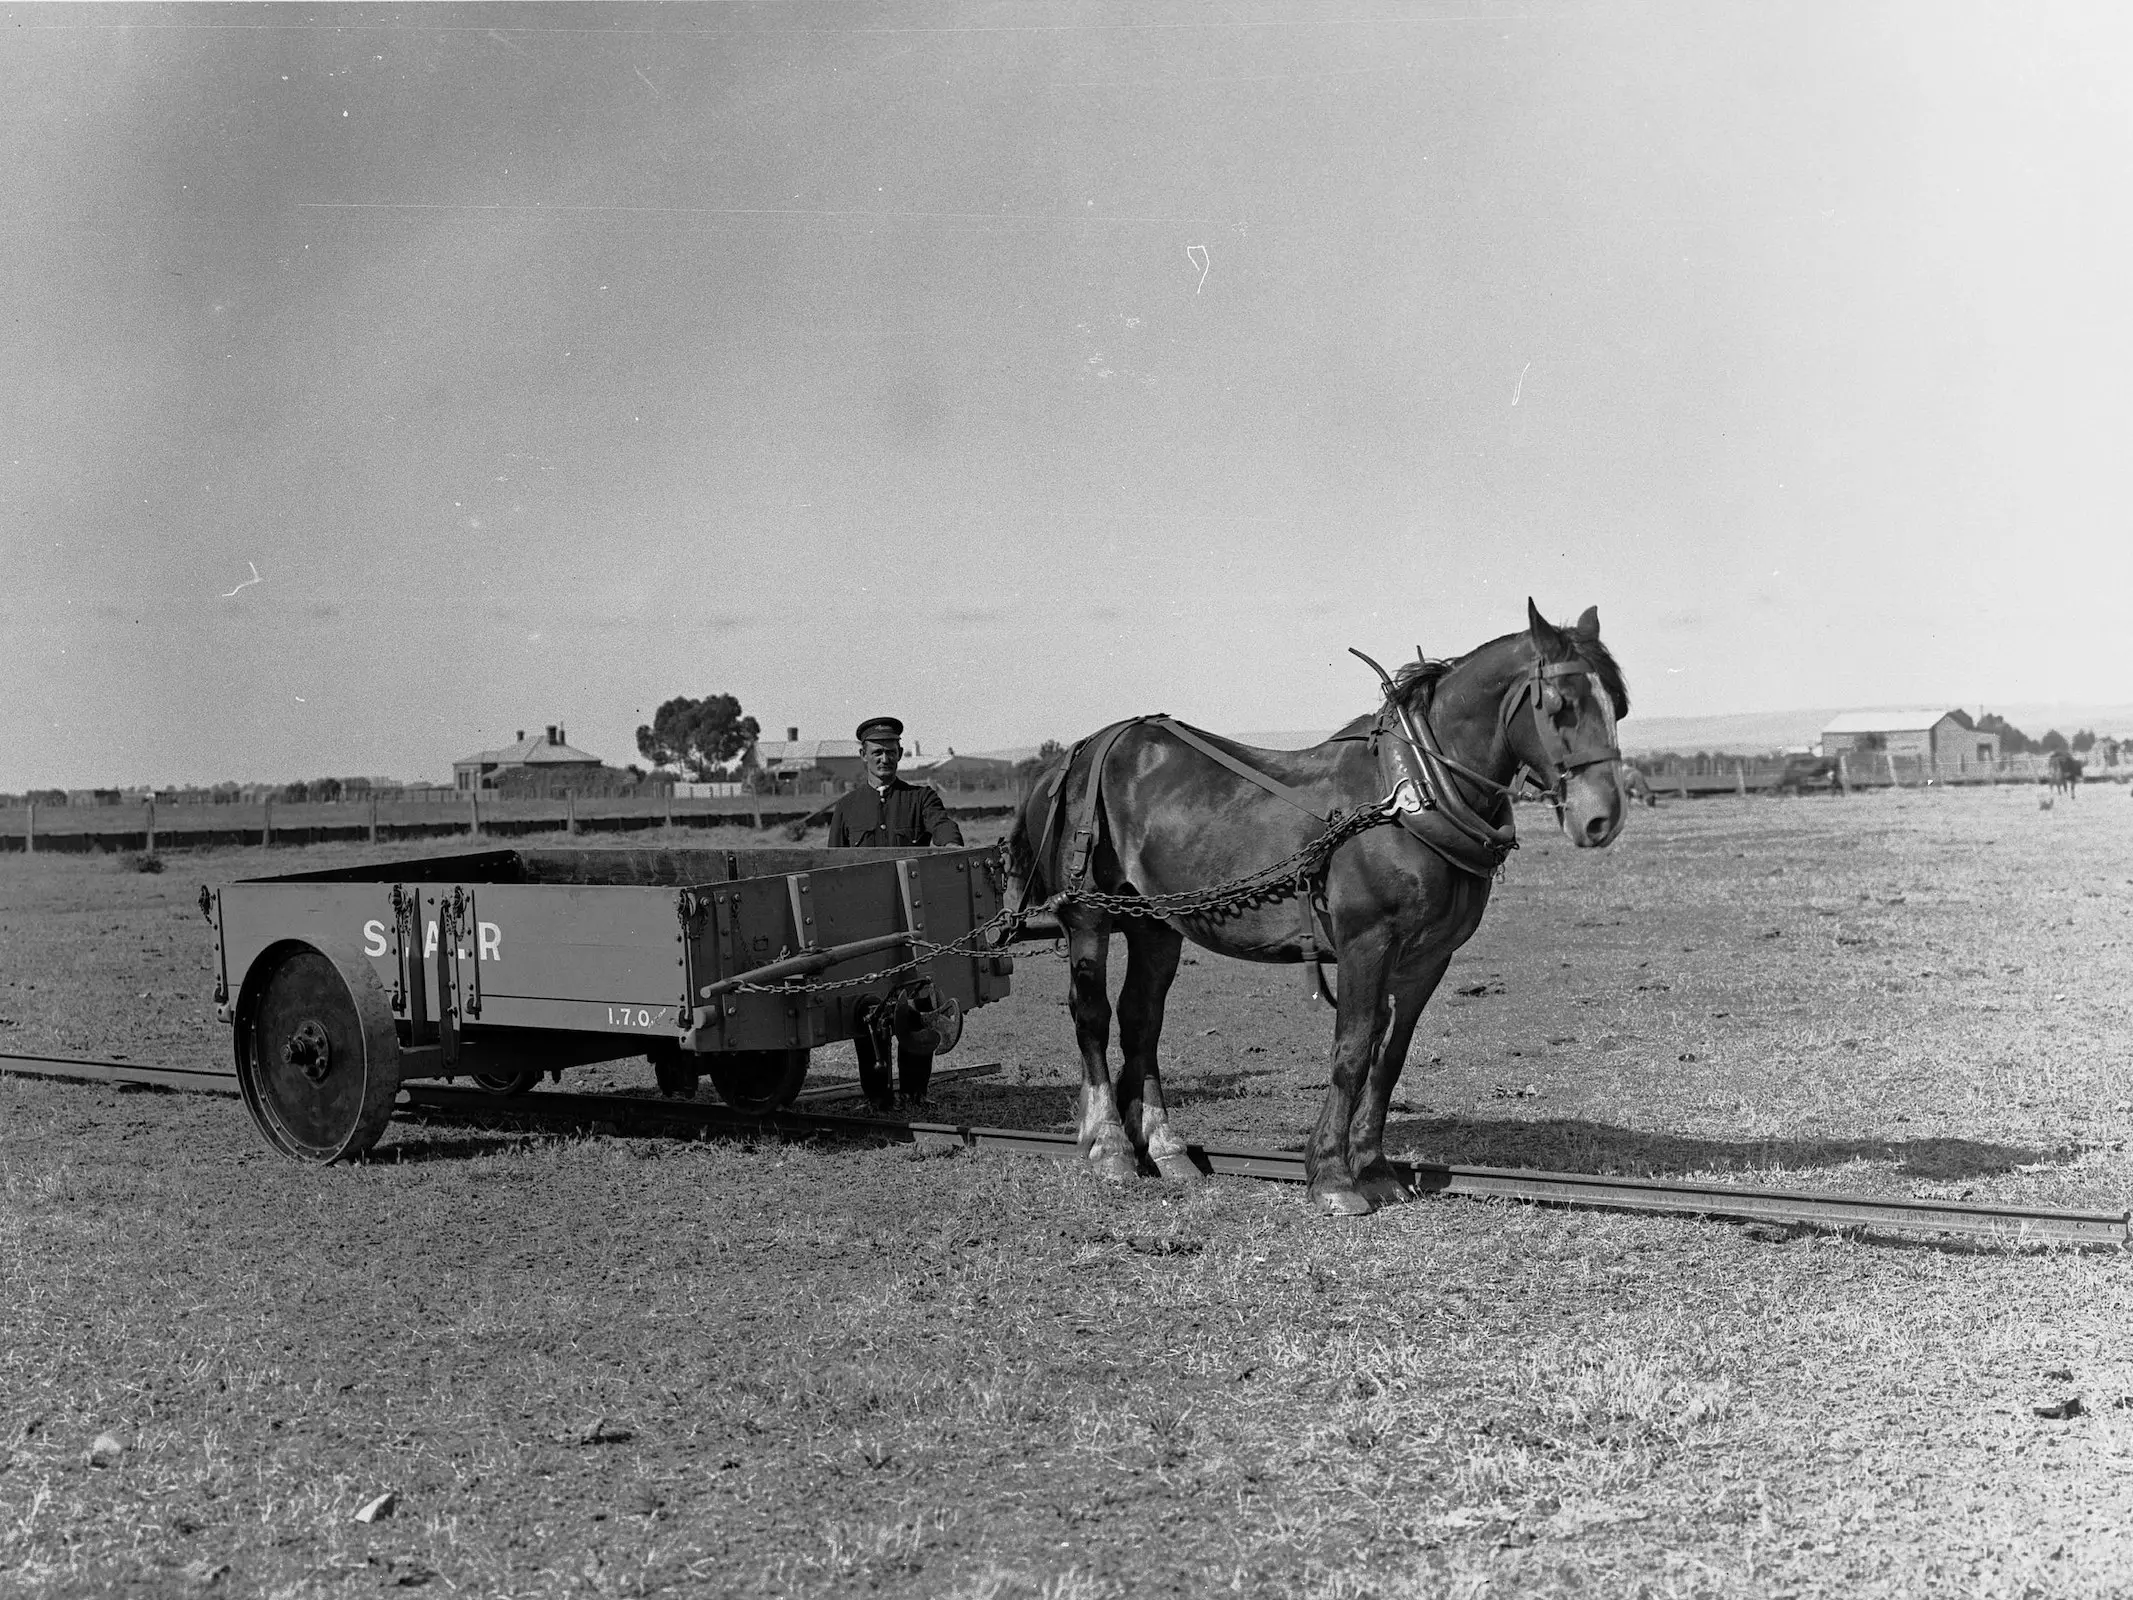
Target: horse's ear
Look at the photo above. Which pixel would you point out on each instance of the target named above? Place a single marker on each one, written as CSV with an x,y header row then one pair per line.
x,y
1545,638
1588,628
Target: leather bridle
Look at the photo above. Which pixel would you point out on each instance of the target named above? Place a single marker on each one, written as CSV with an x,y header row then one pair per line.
x,y
1563,754
1434,786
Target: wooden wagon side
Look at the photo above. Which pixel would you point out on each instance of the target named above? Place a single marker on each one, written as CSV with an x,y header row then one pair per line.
x,y
504,965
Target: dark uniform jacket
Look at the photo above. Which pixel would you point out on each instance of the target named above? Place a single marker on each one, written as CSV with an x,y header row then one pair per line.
x,y
902,814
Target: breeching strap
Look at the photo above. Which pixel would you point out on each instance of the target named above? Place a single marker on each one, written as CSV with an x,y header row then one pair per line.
x,y
1085,808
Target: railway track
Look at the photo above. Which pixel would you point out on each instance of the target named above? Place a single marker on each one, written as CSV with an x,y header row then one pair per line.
x,y
624,1114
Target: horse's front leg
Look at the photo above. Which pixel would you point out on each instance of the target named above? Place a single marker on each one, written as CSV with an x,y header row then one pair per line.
x,y
1152,950
1103,1136
1413,982
1363,963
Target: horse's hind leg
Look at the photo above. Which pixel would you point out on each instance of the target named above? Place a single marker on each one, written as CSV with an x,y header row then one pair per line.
x,y
1152,950
1103,1135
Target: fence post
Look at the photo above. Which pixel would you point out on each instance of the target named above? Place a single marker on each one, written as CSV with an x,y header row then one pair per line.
x,y
1740,779
1844,779
151,850
373,818
1889,756
757,799
670,806
570,811
266,822
473,813
29,837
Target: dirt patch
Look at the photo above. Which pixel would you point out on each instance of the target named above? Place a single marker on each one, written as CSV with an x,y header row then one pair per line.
x,y
633,1367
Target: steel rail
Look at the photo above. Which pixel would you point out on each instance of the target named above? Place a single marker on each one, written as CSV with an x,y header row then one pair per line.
x,y
852,1091
1675,1197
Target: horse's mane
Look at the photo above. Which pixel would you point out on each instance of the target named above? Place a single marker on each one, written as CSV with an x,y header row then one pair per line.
x,y
1412,683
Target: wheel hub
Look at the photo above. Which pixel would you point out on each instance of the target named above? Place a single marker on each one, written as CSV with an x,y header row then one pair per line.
x,y
309,1051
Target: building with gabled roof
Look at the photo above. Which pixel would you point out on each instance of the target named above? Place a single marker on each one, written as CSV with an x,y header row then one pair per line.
x,y
548,753
809,764
1943,740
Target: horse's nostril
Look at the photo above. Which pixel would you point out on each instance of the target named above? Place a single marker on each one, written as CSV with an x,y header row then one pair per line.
x,y
1596,828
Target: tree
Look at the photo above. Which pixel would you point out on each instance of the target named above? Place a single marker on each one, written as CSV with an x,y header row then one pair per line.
x,y
2013,741
1027,769
2053,740
2084,741
700,735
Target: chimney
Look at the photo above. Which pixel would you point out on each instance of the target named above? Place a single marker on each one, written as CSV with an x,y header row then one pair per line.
x,y
520,736
792,735
551,733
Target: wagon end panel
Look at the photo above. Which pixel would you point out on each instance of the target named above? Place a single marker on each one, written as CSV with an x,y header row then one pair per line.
x,y
773,925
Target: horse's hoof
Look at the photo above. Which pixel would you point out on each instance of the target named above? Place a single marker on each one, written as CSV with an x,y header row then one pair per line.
x,y
1114,1165
1170,1154
1342,1200
1384,1189
1176,1165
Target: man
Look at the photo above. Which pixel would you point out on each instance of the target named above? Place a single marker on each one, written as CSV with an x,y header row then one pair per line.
x,y
885,810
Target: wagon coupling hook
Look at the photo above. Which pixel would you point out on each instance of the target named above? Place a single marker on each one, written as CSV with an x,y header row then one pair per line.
x,y
309,1051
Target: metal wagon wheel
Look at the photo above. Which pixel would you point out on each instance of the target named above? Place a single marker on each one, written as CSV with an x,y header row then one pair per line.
x,y
507,1082
757,1080
318,1061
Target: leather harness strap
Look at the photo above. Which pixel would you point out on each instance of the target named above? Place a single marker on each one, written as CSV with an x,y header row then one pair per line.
x,y
1280,791
1314,942
1083,847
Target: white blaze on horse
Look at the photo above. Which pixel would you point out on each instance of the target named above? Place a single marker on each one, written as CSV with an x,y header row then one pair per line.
x,y
1374,851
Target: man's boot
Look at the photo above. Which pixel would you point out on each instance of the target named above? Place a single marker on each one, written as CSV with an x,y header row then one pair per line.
x,y
918,1038
872,1032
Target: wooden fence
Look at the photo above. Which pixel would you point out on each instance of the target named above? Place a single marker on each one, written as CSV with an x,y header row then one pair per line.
x,y
153,826
1690,776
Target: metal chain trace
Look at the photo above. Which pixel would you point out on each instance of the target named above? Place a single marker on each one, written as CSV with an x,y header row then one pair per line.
x,y
1291,875
1269,885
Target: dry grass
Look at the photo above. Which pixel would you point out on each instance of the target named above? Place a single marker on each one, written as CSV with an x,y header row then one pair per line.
x,y
600,1366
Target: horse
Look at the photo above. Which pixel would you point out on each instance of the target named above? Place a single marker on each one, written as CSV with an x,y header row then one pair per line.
x,y
2063,772
1167,811
1802,773
1636,787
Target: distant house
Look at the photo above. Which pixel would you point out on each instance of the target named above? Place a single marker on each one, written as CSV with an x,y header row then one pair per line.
x,y
547,754
952,771
1941,740
809,766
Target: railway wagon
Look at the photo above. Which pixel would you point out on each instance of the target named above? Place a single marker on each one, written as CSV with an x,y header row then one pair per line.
x,y
504,965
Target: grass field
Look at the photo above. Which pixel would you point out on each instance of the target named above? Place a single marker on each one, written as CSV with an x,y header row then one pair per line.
x,y
599,1366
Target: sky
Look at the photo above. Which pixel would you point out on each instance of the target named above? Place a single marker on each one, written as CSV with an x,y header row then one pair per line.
x,y
1014,367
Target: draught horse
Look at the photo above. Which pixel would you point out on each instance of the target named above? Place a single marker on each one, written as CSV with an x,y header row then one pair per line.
x,y
1168,811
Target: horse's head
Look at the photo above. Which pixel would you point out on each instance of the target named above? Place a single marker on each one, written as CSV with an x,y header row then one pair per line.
x,y
1575,693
